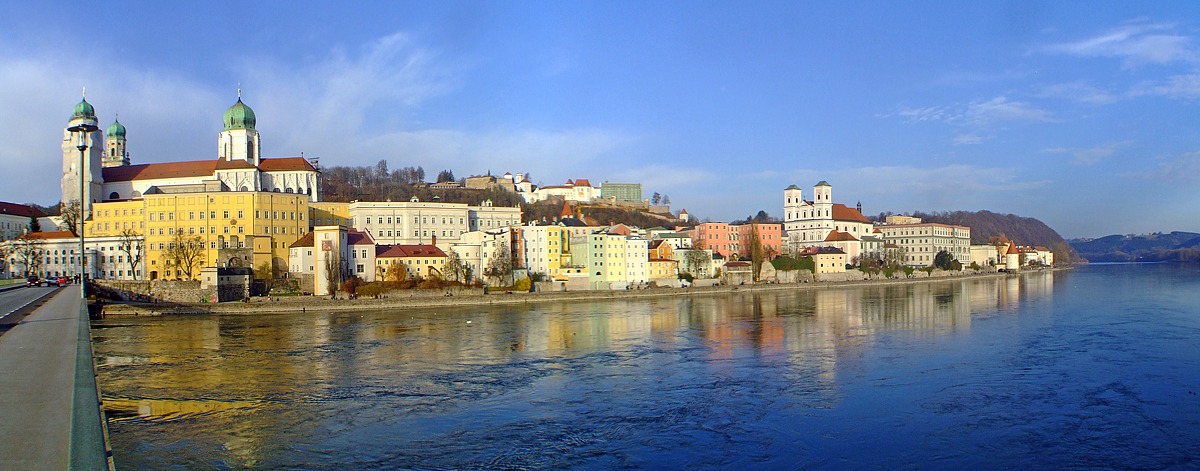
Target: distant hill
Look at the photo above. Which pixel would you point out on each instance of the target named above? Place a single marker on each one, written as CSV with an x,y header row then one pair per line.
x,y
1022,230
1157,247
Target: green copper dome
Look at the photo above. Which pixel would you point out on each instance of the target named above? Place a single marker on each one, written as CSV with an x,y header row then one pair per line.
x,y
239,116
117,130
84,110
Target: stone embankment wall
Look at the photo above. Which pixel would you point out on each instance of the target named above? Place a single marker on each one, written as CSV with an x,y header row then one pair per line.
x,y
159,291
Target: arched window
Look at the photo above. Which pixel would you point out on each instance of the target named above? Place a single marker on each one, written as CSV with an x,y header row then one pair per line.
x,y
114,196
289,190
276,190
136,194
245,188
308,191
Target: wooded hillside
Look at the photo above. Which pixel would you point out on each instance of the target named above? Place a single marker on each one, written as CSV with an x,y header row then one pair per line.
x,y
345,184
986,224
1158,247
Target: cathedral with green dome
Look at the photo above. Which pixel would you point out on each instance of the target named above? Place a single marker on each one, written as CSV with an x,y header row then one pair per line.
x,y
110,174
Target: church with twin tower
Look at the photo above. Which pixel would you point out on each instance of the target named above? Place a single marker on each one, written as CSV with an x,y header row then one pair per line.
x,y
109,175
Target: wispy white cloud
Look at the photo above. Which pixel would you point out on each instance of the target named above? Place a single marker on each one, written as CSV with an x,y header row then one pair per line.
x,y
1184,168
347,107
1091,155
1000,109
1079,90
976,113
943,187
1135,43
931,113
1177,86
967,139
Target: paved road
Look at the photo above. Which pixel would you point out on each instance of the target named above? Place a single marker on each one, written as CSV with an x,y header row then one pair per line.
x,y
37,369
14,300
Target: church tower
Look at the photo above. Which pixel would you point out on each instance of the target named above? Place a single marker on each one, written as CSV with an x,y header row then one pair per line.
x,y
115,154
239,140
823,199
792,201
90,171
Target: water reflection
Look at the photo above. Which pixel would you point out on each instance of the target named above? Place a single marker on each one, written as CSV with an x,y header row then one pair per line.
x,y
366,389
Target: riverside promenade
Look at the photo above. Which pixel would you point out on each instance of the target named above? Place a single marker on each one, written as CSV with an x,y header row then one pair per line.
x,y
50,417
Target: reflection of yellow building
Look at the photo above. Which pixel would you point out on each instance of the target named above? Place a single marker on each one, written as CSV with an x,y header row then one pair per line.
x,y
265,223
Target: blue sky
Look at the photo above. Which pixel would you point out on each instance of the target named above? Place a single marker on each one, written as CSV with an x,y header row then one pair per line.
x,y
1082,115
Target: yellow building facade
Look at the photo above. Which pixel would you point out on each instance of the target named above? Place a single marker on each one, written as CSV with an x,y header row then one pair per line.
x,y
266,223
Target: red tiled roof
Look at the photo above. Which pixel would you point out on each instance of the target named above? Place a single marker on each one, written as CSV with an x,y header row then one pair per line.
x,y
1012,249
352,238
582,182
196,168
843,213
400,251
359,238
835,236
305,240
285,163
199,168
49,235
20,210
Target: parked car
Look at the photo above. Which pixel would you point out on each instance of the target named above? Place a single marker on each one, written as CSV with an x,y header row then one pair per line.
x,y
33,281
63,281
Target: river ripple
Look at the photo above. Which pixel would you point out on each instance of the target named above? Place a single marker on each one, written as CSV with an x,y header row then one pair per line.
x,y
1091,368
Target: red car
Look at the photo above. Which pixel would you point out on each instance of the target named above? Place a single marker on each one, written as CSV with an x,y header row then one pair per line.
x,y
63,281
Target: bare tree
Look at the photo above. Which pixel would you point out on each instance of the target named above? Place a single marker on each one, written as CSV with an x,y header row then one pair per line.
x,y
133,245
756,251
70,213
5,251
456,269
396,272
184,254
332,273
28,254
501,264
697,260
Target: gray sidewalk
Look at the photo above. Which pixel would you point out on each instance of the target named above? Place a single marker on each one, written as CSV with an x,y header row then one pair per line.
x,y
37,377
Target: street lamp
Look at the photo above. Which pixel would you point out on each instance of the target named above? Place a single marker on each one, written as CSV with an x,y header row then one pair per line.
x,y
84,129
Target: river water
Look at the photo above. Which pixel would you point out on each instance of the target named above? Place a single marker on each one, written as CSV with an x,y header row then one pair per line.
x,y
1097,367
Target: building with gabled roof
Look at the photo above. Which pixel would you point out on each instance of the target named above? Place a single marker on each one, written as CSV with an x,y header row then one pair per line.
x,y
14,220
416,260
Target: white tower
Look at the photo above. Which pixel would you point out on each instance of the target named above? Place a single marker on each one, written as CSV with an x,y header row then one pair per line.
x,y
91,169
823,199
115,154
239,140
792,200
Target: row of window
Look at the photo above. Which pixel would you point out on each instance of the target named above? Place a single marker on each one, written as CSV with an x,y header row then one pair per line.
x,y
225,214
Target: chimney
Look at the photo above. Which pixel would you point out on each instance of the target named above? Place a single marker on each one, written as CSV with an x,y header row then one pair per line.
x,y
433,241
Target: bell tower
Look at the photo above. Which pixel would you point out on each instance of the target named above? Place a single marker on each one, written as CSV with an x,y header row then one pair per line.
x,y
823,199
239,140
115,154
90,169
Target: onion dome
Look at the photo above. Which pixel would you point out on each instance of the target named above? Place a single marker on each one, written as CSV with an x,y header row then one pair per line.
x,y
117,130
239,116
84,110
